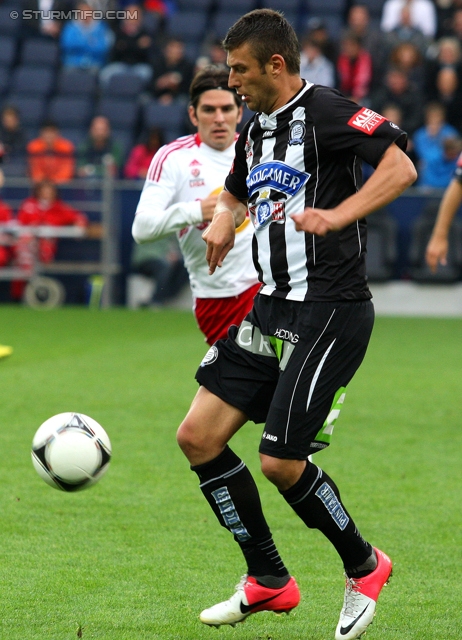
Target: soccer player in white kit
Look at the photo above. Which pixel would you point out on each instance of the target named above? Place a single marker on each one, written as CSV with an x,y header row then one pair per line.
x,y
180,193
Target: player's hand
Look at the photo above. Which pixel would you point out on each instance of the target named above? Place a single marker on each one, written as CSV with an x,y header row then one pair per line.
x,y
316,221
437,251
208,206
219,236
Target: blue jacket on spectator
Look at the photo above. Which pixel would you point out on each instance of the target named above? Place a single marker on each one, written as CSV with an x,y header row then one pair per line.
x,y
86,44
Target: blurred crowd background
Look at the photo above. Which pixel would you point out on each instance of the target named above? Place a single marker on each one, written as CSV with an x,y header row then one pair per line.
x,y
95,88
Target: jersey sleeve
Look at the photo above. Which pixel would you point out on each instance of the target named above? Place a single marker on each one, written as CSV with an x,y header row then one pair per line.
x,y
235,181
158,213
344,126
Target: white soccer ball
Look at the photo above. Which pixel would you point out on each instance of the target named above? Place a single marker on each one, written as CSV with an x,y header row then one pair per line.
x,y
71,451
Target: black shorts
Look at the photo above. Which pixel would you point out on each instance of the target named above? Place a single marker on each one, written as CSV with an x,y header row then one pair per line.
x,y
287,365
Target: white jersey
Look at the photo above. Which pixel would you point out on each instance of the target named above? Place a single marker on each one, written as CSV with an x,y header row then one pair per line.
x,y
180,175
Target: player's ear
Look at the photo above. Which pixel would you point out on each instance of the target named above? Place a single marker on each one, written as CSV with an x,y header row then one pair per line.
x,y
277,64
192,115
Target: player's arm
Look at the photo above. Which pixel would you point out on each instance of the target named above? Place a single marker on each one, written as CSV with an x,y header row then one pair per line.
x,y
220,234
159,213
393,175
437,248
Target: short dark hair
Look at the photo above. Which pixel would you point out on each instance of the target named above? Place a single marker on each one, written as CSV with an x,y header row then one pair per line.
x,y
210,77
268,33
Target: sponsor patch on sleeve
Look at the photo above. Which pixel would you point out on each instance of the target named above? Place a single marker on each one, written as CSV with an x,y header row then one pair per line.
x,y
366,120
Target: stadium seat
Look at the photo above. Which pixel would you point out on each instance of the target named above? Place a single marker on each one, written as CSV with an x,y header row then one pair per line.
x,y
31,108
8,47
70,112
321,8
123,85
222,21
202,6
289,6
8,26
382,248
76,135
4,80
420,235
188,26
375,7
39,52
32,81
122,114
243,6
76,82
166,116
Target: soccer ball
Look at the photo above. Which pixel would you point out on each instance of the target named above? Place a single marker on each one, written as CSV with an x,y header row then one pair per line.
x,y
71,451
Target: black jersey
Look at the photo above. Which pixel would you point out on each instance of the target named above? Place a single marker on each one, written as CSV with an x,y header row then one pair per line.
x,y
308,154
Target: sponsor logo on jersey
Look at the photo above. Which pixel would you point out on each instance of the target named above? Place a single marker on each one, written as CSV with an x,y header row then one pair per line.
x,y
268,436
276,175
197,182
297,132
392,124
366,120
268,134
284,334
333,506
195,163
210,357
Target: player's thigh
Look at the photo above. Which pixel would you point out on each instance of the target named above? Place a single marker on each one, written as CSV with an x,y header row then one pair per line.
x,y
209,424
311,388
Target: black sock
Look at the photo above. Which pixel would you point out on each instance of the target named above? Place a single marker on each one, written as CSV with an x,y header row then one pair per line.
x,y
232,493
316,500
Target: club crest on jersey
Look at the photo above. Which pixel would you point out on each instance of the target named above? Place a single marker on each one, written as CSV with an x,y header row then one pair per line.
x,y
276,175
297,132
366,120
265,211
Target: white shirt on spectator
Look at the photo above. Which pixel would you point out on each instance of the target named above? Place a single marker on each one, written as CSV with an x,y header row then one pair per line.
x,y
423,15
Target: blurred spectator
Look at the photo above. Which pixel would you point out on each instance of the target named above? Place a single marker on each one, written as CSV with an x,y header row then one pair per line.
x,y
437,146
422,15
141,155
446,53
214,55
172,72
406,31
398,90
407,57
314,66
455,25
161,261
99,152
354,68
359,23
444,12
44,207
50,156
394,114
318,32
162,7
6,241
11,133
450,96
42,25
132,46
85,42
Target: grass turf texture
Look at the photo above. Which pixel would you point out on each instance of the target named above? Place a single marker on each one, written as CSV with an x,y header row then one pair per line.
x,y
140,554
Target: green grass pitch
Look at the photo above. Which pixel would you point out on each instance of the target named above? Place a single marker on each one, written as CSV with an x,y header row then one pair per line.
x,y
139,555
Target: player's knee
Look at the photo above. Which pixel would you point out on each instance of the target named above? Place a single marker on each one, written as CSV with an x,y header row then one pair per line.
x,y
282,473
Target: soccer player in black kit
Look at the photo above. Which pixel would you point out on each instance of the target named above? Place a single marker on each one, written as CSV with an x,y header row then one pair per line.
x,y
297,170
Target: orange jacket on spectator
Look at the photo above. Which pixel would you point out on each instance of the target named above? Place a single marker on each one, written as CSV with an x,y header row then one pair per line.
x,y
56,163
